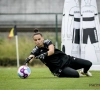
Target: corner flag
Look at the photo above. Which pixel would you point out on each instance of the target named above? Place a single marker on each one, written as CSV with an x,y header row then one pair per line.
x,y
13,32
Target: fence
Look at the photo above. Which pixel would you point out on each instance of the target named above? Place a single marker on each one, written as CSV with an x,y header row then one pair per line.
x,y
30,19
42,20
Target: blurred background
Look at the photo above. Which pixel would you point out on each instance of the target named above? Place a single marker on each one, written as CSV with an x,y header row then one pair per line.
x,y
46,15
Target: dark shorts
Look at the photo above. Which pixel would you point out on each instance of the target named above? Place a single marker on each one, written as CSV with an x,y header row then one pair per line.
x,y
76,36
92,33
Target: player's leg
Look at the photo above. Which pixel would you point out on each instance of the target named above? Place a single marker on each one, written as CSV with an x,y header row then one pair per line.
x,y
69,72
94,41
78,63
97,51
75,50
84,39
83,50
75,43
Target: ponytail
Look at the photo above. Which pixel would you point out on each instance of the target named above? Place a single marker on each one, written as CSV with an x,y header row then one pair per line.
x,y
36,32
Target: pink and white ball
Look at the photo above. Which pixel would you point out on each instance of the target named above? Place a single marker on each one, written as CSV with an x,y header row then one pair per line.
x,y
24,71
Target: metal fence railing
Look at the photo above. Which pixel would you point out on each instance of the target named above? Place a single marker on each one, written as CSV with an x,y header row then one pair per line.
x,y
32,20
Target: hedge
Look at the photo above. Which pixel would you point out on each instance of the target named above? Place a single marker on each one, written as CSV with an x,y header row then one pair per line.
x,y
25,45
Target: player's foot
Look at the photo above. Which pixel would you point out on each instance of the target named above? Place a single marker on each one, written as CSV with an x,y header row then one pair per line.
x,y
81,74
87,74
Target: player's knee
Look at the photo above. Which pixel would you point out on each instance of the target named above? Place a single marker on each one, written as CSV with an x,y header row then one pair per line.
x,y
89,63
76,76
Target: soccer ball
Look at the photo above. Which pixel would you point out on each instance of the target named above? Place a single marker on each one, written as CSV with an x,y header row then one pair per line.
x,y
24,71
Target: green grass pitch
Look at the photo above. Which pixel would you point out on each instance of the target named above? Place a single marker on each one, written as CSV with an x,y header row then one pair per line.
x,y
42,79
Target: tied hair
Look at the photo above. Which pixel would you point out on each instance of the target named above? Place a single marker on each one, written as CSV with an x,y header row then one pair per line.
x,y
36,32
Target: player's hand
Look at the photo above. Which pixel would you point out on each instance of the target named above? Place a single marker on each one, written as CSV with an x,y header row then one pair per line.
x,y
28,59
42,56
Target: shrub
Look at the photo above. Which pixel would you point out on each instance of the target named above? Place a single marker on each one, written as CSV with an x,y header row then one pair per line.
x,y
25,45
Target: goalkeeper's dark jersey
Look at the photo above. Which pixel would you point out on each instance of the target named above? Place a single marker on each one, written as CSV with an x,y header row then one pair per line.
x,y
55,61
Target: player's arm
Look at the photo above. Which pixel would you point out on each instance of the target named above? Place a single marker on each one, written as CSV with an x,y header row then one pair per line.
x,y
48,53
32,55
29,59
51,49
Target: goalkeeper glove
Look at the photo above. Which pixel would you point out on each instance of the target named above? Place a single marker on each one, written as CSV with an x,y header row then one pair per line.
x,y
28,59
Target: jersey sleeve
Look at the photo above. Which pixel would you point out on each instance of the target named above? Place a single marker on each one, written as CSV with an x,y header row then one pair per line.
x,y
37,51
48,42
34,51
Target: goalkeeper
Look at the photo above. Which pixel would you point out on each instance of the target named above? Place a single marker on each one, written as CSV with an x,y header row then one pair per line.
x,y
59,63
